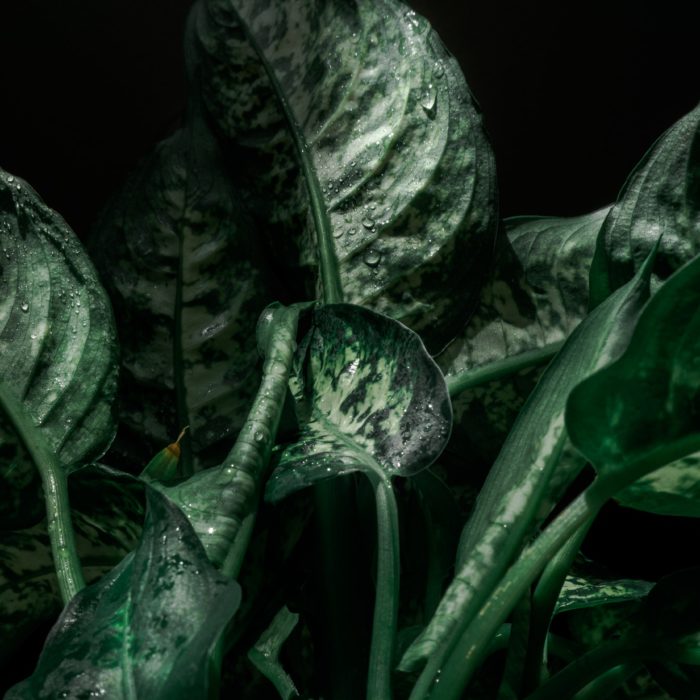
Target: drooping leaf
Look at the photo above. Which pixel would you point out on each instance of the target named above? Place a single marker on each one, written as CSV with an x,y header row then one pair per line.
x,y
644,406
265,654
145,629
371,399
389,144
536,295
586,592
660,197
107,515
534,463
58,352
181,263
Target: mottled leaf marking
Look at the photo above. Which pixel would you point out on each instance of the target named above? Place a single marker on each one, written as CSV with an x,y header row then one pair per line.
x,y
58,352
391,144
372,397
145,629
586,592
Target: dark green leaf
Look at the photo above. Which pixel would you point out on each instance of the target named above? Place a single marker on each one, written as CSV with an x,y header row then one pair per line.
x,y
536,295
145,629
586,592
58,353
371,399
265,654
391,151
661,197
645,405
182,265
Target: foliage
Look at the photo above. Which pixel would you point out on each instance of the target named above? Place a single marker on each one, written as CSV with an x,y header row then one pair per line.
x,y
295,337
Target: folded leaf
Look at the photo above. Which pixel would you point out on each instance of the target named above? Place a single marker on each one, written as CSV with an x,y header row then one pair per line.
x,y
389,145
145,629
660,198
58,353
372,399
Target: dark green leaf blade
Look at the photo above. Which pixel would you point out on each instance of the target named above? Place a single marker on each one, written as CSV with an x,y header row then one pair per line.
x,y
660,197
144,630
390,146
647,401
58,352
372,398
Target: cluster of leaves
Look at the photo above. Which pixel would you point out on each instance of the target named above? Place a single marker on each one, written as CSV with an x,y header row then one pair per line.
x,y
310,284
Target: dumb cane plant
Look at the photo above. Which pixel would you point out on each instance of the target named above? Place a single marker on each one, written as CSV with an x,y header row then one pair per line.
x,y
310,285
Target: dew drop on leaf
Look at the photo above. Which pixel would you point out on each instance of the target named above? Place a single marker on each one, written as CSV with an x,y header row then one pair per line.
x,y
24,307
372,258
368,222
428,101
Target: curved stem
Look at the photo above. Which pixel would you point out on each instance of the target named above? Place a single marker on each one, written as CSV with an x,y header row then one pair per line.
x,y
55,482
387,591
544,601
457,383
511,681
608,682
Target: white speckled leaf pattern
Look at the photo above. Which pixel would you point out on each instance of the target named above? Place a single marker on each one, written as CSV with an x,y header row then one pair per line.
x,y
58,351
586,591
187,279
395,148
145,630
537,294
370,398
661,196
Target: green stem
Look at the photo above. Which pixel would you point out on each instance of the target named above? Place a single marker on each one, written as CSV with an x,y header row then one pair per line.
x,y
55,482
608,682
512,679
387,591
586,669
328,263
544,601
457,383
234,559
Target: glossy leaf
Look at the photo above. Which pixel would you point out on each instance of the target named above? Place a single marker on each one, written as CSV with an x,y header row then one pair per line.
x,y
529,469
586,592
645,404
58,352
265,654
182,265
145,629
391,152
371,399
536,295
660,198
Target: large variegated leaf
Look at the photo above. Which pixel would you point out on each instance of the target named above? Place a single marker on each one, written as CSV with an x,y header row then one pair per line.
x,y
391,150
187,279
58,354
661,197
536,295
370,398
581,591
107,517
517,492
644,406
144,630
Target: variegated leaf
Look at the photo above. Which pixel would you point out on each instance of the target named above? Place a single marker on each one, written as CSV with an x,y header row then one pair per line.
x,y
660,198
184,267
370,398
58,353
536,295
389,142
586,592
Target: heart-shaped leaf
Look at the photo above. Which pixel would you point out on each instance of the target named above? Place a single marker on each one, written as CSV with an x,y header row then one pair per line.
x,y
144,630
399,176
181,264
372,399
642,409
536,295
58,353
660,198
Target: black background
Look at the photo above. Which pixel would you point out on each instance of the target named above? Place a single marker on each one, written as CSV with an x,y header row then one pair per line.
x,y
572,97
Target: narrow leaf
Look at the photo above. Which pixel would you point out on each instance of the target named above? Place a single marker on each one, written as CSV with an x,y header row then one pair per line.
x,y
147,628
359,107
586,592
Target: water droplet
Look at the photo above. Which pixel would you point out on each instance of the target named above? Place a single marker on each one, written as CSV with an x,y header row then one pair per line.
x,y
24,306
10,179
372,258
352,231
428,101
368,222
337,232
259,436
438,69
